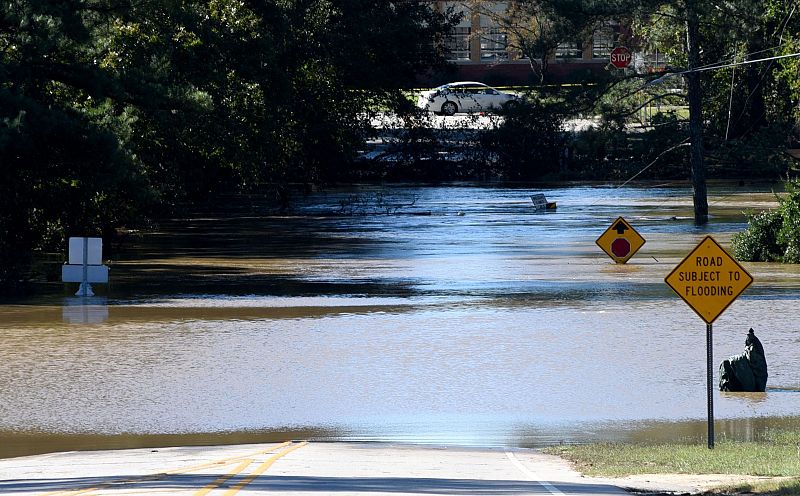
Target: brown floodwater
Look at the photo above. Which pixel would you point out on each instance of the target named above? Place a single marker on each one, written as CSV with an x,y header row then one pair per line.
x,y
443,315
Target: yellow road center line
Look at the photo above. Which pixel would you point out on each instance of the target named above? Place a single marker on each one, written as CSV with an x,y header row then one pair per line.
x,y
221,480
225,461
261,469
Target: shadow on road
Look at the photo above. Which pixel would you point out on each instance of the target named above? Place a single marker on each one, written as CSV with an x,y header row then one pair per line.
x,y
280,485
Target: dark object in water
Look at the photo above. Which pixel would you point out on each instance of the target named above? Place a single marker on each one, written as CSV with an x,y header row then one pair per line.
x,y
745,372
540,202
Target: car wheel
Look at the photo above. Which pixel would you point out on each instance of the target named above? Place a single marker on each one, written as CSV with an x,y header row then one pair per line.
x,y
510,105
449,108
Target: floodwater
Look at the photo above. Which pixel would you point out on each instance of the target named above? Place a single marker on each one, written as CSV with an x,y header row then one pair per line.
x,y
444,315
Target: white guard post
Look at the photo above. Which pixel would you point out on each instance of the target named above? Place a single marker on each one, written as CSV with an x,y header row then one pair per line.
x,y
85,264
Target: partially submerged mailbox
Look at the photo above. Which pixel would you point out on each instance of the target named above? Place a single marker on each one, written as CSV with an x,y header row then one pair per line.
x,y
85,264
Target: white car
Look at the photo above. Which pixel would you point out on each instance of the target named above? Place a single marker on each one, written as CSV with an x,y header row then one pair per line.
x,y
464,96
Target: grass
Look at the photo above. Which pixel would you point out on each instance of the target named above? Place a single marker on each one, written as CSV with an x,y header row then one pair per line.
x,y
776,455
782,488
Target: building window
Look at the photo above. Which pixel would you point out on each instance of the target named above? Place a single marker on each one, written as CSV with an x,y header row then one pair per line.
x,y
604,39
457,44
569,50
494,44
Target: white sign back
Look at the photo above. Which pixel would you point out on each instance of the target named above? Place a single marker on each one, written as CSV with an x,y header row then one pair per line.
x,y
94,255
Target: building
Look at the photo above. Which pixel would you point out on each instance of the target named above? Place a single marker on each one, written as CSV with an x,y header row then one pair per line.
x,y
482,51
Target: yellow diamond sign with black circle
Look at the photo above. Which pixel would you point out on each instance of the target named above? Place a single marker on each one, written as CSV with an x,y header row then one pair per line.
x,y
709,279
620,241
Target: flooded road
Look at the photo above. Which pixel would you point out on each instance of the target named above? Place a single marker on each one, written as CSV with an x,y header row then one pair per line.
x,y
446,315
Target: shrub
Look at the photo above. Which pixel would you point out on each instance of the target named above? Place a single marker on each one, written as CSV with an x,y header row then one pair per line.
x,y
759,242
773,235
529,142
789,233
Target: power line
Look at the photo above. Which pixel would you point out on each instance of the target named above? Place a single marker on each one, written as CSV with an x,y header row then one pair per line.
x,y
733,58
715,67
736,64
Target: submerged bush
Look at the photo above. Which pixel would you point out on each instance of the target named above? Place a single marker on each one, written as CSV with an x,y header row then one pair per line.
x,y
759,243
789,233
773,235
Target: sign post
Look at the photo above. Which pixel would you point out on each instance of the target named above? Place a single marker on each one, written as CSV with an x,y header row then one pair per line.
x,y
709,387
709,280
620,241
85,264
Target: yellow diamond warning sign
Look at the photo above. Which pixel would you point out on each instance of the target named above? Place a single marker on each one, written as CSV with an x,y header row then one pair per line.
x,y
709,279
620,241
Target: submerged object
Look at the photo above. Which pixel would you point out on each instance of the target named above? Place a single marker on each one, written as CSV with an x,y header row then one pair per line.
x,y
747,371
540,202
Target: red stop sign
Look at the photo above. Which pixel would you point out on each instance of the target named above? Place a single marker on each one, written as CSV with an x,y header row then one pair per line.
x,y
621,57
620,247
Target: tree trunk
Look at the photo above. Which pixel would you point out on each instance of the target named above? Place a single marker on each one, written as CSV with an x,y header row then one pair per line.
x,y
699,192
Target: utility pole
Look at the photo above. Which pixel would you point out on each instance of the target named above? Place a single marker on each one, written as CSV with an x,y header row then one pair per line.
x,y
699,192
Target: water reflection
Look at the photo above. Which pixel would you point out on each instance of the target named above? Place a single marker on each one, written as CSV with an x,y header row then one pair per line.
x,y
32,442
752,398
496,327
85,310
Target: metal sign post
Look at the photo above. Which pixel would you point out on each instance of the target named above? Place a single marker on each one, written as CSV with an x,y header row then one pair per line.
x,y
709,280
709,382
85,288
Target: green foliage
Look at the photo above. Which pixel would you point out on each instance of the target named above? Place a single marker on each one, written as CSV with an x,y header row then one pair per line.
x,y
110,110
529,141
789,233
773,235
536,28
761,153
750,112
741,101
612,152
759,243
53,188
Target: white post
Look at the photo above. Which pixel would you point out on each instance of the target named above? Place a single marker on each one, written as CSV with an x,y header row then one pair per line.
x,y
85,264
85,289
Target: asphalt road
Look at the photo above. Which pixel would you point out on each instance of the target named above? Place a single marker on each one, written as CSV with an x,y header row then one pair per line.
x,y
295,468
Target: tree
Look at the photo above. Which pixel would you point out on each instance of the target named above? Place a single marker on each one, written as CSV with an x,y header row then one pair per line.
x,y
111,110
739,99
63,169
697,162
730,112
